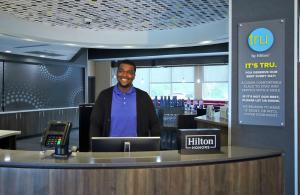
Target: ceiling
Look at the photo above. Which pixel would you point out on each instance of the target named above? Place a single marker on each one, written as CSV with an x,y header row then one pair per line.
x,y
35,48
59,28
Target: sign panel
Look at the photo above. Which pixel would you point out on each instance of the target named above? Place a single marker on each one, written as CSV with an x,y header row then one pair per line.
x,y
199,141
261,73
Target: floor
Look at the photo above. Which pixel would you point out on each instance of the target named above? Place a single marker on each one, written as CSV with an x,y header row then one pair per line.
x,y
34,143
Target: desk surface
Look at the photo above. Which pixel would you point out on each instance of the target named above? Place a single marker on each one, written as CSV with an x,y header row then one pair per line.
x,y
7,133
213,120
87,160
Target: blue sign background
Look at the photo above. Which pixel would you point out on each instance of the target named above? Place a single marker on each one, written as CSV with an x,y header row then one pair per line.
x,y
260,40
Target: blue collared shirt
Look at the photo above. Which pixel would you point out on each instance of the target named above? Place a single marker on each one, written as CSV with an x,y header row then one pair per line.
x,y
123,113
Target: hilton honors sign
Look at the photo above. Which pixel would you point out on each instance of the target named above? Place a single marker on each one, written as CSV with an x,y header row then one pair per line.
x,y
195,141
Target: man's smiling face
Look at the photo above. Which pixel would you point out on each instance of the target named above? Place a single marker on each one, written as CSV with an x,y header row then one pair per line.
x,y
125,75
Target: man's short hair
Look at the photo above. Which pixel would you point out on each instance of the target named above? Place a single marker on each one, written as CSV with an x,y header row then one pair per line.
x,y
127,62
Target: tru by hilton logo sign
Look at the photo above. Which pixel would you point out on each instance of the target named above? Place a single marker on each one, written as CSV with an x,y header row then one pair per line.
x,y
260,39
195,142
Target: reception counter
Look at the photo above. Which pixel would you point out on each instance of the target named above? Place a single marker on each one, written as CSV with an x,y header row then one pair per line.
x,y
235,170
214,122
8,139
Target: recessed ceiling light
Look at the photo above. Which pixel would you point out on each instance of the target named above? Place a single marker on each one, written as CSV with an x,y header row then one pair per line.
x,y
128,46
87,21
28,39
205,42
71,44
171,45
42,56
7,51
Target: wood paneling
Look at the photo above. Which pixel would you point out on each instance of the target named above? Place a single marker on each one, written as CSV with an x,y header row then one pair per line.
x,y
256,177
35,122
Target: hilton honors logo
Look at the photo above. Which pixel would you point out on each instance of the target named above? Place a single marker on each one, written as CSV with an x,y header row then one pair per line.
x,y
200,142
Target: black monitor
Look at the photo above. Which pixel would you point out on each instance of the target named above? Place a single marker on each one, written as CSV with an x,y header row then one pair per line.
x,y
121,144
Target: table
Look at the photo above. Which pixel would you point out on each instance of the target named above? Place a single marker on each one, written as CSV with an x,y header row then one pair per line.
x,y
8,139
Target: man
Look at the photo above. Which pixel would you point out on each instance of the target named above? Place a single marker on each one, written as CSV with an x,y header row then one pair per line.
x,y
123,110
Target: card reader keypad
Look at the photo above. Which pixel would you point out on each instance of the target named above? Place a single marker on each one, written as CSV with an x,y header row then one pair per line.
x,y
53,140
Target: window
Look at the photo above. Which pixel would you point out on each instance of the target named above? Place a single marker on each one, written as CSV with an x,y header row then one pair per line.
x,y
183,82
142,79
206,82
160,89
164,81
160,82
172,81
114,80
215,82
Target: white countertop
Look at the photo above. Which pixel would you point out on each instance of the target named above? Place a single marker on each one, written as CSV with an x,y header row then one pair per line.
x,y
7,133
217,120
88,160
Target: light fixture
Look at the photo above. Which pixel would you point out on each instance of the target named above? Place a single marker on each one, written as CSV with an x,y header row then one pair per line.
x,y
71,44
158,159
128,46
7,158
198,80
28,39
42,56
205,42
87,21
171,45
7,51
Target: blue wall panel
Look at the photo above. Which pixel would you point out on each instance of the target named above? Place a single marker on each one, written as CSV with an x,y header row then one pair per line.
x,y
29,86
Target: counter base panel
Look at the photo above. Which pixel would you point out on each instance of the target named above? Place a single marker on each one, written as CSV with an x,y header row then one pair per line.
x,y
260,177
8,142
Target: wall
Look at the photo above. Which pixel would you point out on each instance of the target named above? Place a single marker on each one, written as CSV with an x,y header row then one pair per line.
x,y
40,76
103,75
30,86
163,56
281,138
91,69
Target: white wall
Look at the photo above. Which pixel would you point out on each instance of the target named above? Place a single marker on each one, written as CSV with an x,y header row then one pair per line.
x,y
91,71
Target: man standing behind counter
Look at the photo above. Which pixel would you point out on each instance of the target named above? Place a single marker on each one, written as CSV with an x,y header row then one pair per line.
x,y
123,110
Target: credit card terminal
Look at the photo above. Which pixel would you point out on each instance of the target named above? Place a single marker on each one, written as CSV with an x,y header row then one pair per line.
x,y
57,134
